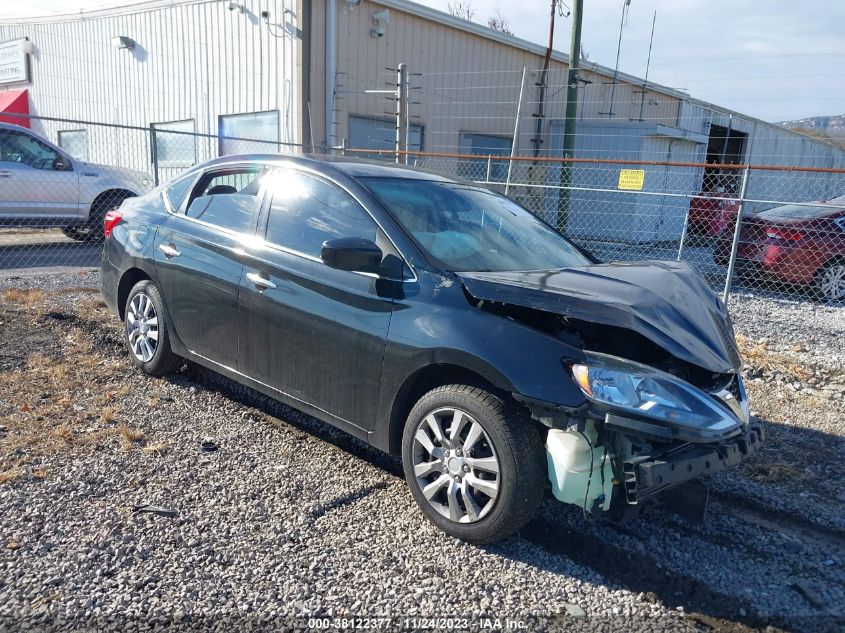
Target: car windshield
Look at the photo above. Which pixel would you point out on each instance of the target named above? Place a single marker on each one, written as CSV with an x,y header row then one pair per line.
x,y
470,229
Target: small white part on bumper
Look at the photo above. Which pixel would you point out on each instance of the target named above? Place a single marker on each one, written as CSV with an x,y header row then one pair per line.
x,y
569,462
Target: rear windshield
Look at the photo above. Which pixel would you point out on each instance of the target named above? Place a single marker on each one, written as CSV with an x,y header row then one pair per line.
x,y
803,211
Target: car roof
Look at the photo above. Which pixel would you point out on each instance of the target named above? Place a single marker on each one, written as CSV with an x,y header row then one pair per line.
x,y
352,167
13,126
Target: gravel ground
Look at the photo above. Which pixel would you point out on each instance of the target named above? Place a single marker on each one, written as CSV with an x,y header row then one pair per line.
x,y
290,519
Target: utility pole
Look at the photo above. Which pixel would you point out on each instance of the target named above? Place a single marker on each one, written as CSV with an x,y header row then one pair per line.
x,y
541,101
571,115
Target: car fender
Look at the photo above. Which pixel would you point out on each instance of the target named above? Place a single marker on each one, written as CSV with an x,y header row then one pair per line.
x,y
511,356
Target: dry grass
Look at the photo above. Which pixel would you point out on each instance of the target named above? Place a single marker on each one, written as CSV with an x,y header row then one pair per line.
x,y
64,389
757,353
159,448
129,437
12,474
774,472
30,297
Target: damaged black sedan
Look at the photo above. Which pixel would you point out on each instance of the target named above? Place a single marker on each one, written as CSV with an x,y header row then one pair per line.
x,y
436,320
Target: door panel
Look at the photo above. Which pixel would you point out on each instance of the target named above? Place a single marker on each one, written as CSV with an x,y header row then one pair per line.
x,y
199,269
199,257
318,335
311,331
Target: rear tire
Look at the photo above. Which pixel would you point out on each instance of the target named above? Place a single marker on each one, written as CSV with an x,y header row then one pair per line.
x,y
829,284
147,332
480,483
75,232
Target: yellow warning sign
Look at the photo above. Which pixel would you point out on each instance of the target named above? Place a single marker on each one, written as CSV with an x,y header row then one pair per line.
x,y
631,179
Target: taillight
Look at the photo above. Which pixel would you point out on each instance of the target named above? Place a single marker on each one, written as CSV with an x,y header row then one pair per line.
x,y
111,220
784,234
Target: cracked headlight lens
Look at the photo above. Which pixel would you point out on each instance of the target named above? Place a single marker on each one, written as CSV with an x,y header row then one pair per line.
x,y
629,387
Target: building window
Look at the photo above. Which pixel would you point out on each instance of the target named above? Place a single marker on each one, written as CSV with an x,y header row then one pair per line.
x,y
261,128
380,134
75,143
484,145
175,150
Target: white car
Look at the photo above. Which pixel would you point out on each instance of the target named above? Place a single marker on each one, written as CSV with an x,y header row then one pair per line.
x,y
42,186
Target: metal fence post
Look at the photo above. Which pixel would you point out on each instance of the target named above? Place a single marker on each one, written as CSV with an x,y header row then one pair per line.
x,y
683,235
154,153
515,141
743,194
489,166
401,103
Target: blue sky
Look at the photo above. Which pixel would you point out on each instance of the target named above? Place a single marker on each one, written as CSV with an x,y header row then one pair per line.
x,y
776,59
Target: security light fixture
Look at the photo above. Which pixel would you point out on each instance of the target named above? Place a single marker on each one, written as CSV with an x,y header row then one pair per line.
x,y
380,21
233,6
27,47
122,41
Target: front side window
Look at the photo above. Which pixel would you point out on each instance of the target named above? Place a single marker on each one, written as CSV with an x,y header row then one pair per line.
x,y
75,143
175,143
471,229
226,198
17,147
306,211
248,133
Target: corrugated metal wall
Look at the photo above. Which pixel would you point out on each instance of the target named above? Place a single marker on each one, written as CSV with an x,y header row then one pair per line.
x,y
462,82
194,60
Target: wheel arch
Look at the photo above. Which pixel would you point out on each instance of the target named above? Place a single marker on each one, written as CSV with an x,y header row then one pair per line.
x,y
107,197
127,281
428,377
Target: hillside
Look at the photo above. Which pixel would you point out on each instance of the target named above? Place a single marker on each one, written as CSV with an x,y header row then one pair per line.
x,y
831,126
826,128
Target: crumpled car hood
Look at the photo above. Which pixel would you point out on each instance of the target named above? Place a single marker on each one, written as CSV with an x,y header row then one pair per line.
x,y
668,302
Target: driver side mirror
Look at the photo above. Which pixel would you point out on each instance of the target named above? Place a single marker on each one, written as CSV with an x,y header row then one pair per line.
x,y
62,164
354,254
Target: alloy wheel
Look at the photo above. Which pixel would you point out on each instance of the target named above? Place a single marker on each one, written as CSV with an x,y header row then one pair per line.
x,y
456,465
142,327
833,282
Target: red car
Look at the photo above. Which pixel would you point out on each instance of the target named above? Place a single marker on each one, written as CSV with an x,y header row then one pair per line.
x,y
711,212
794,244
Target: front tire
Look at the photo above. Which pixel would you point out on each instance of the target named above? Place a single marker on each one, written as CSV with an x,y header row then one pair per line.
x,y
474,463
147,332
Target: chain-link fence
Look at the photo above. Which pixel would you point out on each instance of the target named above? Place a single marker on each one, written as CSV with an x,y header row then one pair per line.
x,y
56,187
777,231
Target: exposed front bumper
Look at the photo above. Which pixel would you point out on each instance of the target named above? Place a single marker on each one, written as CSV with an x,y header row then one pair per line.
x,y
645,475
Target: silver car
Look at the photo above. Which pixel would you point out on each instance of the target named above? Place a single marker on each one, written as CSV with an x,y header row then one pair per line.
x,y
42,186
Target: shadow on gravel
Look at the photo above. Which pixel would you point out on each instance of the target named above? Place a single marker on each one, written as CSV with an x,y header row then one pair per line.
x,y
634,569
48,255
278,413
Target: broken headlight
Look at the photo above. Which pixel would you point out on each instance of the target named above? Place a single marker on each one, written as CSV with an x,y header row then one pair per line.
x,y
627,387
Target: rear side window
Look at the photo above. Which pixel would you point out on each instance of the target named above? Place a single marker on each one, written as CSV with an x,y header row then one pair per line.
x,y
177,191
306,211
226,198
